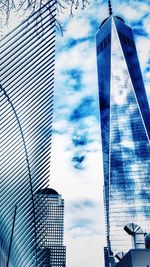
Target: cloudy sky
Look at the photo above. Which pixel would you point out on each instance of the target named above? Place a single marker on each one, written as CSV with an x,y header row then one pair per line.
x,y
76,164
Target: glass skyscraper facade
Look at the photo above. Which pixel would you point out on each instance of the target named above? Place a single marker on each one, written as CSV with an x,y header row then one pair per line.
x,y
51,245
26,97
125,132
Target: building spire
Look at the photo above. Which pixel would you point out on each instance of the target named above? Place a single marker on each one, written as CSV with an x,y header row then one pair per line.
x,y
110,8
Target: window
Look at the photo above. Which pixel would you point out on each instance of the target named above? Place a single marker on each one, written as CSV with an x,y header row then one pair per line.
x,y
103,44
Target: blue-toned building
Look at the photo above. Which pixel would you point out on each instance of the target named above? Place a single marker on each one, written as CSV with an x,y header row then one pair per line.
x,y
125,132
26,103
51,245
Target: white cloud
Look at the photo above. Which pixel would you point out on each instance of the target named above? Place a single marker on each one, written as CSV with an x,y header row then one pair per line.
x,y
78,28
143,48
146,24
85,251
130,13
74,57
76,187
131,10
66,178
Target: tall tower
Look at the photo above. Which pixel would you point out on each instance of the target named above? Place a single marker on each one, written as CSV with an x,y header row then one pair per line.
x,y
51,245
125,132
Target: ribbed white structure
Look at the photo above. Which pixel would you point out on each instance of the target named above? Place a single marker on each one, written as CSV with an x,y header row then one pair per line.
x,y
26,95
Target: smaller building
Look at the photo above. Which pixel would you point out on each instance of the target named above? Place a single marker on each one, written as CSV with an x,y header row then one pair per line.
x,y
109,258
51,227
135,258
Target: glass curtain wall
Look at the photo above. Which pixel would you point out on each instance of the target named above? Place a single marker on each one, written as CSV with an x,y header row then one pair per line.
x,y
125,126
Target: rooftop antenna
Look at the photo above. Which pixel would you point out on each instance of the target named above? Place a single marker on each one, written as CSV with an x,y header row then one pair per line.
x,y
110,8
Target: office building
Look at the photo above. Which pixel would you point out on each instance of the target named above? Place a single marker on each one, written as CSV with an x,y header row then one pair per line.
x,y
54,252
125,132
26,95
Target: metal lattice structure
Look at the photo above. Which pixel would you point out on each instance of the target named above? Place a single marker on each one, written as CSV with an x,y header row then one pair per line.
x,y
26,97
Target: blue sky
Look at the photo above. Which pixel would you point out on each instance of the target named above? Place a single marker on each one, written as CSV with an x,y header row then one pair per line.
x,y
76,160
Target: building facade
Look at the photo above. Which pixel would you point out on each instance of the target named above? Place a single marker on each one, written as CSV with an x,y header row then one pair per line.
x,y
125,132
26,95
51,246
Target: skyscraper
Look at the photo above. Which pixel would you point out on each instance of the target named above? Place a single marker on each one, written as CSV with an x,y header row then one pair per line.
x,y
125,132
51,245
26,95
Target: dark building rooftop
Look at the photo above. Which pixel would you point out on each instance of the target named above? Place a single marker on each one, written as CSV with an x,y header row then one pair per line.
x,y
49,191
135,257
108,18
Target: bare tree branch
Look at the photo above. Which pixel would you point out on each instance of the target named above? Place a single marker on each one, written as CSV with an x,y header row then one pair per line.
x,y
6,6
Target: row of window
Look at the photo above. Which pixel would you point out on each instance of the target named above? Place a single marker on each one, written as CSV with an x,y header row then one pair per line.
x,y
126,40
103,44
